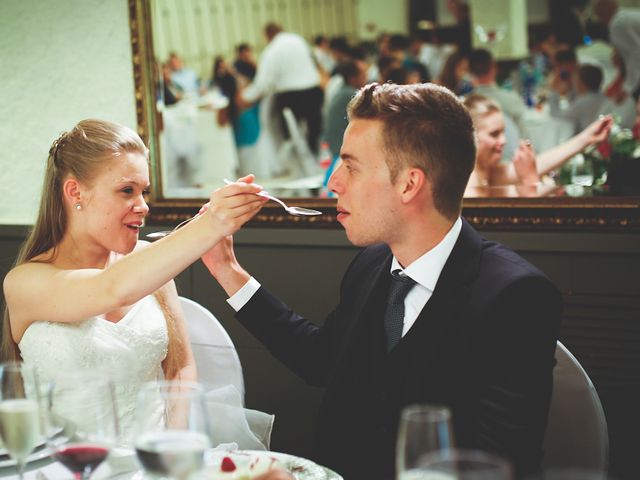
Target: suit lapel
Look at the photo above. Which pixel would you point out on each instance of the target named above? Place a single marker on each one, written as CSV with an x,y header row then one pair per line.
x,y
368,289
439,338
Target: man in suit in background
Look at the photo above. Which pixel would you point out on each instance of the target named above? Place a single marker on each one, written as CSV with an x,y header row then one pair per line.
x,y
479,325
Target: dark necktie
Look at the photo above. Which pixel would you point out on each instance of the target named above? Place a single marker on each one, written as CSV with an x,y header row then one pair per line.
x,y
394,313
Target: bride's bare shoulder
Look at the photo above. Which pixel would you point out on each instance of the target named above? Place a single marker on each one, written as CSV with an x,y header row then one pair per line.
x,y
23,278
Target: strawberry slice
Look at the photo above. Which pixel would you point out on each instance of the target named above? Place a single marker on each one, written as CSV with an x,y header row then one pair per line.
x,y
227,465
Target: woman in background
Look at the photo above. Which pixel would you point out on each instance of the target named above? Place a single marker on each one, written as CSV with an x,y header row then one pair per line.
x,y
526,167
455,74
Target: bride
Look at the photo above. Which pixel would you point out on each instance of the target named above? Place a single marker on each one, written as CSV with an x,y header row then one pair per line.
x,y
86,293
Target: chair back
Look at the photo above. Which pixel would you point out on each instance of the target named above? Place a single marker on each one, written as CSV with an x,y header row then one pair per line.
x,y
215,355
576,435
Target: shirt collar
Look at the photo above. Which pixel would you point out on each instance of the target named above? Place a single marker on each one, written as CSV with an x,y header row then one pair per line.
x,y
426,269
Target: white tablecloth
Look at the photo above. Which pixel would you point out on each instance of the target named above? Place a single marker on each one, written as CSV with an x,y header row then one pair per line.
x,y
196,151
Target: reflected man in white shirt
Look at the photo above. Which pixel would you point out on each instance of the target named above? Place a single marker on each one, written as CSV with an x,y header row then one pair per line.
x,y
287,69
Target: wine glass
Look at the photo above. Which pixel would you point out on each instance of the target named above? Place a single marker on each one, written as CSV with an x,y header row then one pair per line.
x,y
172,429
422,429
582,171
455,464
20,418
82,421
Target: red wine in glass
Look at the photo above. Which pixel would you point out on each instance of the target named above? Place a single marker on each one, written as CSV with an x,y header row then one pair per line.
x,y
81,458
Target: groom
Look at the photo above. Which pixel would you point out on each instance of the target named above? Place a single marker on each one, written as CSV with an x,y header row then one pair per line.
x,y
474,326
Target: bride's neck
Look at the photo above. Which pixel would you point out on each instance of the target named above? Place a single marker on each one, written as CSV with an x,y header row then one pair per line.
x,y
72,253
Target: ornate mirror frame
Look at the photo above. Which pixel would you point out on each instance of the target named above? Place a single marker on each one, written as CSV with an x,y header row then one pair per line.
x,y
601,214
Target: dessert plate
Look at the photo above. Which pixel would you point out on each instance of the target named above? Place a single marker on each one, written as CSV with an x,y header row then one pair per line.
x,y
300,468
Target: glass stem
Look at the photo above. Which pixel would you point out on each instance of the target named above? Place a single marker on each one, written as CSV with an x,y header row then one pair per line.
x,y
20,468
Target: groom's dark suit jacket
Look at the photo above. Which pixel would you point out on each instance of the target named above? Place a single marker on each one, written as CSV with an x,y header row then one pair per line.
x,y
483,345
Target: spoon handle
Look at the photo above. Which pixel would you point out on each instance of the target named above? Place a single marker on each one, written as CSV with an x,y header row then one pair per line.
x,y
271,197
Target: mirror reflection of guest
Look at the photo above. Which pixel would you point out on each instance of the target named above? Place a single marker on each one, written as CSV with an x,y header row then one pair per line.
x,y
399,49
462,34
170,94
322,54
624,34
484,73
455,74
588,102
286,68
244,119
184,78
226,82
244,63
563,73
354,75
526,167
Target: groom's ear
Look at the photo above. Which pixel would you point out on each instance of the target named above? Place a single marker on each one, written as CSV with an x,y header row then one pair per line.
x,y
412,182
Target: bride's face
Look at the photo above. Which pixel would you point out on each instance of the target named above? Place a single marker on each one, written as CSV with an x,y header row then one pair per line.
x,y
114,205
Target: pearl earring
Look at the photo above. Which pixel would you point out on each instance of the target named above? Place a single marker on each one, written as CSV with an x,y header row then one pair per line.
x,y
78,206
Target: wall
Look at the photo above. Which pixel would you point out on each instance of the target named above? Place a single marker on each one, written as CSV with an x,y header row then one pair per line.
x,y
198,31
378,16
61,62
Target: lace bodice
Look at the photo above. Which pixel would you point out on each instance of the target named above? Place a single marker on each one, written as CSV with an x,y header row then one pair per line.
x,y
130,350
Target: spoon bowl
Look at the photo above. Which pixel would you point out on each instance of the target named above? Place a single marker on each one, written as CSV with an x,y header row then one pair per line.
x,y
299,211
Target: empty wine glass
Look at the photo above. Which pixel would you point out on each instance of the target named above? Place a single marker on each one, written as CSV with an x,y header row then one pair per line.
x,y
82,424
20,416
172,429
582,171
455,464
422,429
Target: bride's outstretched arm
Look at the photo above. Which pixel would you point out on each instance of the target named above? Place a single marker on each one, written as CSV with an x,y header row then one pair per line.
x,y
41,291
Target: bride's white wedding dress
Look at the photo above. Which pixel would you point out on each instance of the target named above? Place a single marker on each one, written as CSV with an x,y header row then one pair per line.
x,y
131,352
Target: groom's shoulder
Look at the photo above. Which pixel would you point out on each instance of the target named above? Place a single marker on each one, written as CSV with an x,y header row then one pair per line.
x,y
369,259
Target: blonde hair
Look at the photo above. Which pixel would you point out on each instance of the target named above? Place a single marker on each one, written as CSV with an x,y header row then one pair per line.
x,y
480,106
79,153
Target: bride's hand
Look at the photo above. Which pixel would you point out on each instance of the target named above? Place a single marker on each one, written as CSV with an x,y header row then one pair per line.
x,y
233,205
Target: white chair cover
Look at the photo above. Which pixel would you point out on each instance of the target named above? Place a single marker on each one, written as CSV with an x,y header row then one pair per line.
x,y
220,372
576,435
216,357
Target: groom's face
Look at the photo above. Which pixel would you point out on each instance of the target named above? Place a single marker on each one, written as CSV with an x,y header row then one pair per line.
x,y
367,200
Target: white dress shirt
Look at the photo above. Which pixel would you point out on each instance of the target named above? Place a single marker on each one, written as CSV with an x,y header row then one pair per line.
x,y
425,271
286,64
624,33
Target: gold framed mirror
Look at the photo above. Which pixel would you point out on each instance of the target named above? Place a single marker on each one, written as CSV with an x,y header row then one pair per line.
x,y
489,209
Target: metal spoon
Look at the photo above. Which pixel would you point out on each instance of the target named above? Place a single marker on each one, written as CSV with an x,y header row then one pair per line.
x,y
288,209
